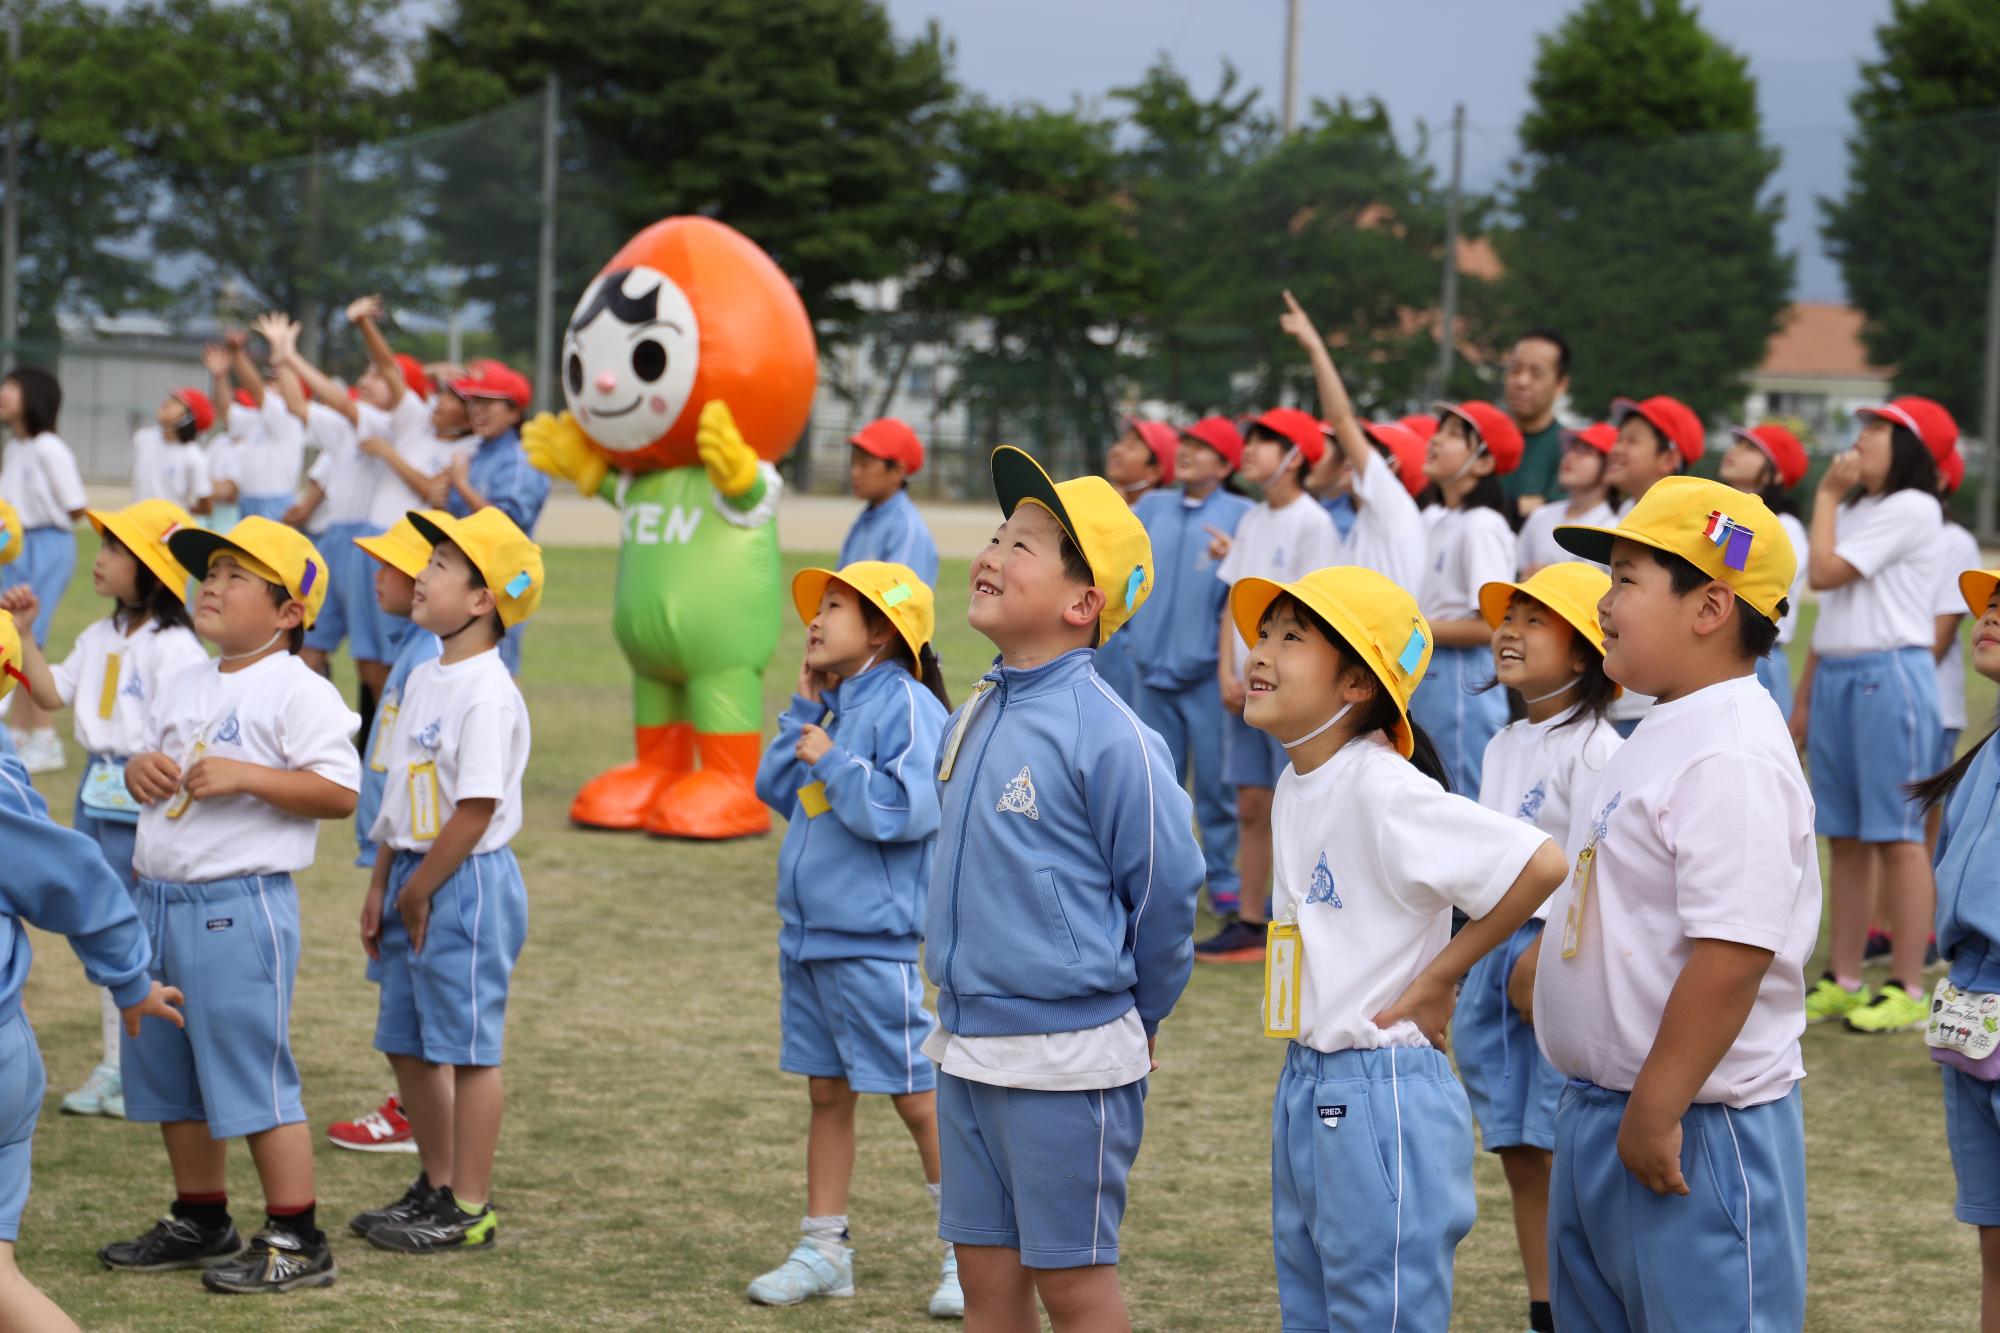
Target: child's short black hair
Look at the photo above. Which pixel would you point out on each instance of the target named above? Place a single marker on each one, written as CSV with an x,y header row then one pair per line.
x,y
295,640
41,398
165,607
1077,570
1755,635
1553,339
478,580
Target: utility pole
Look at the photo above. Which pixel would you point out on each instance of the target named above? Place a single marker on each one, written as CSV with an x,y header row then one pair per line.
x,y
1289,115
1989,409
10,210
546,394
1448,302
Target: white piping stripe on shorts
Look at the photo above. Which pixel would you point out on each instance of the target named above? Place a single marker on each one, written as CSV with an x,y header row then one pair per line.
x,y
1749,1256
472,969
909,1065
1396,1262
277,994
1097,1207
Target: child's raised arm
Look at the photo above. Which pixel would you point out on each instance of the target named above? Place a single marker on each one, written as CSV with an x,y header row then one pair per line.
x,y
363,313
247,377
1334,405
287,357
21,603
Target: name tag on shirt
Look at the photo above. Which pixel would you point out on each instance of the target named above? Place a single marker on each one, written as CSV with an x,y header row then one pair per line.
x,y
424,801
1284,963
812,800
385,727
179,804
107,696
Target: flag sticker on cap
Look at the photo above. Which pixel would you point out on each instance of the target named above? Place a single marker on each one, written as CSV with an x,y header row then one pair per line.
x,y
1726,532
897,595
306,580
1413,652
520,583
1134,585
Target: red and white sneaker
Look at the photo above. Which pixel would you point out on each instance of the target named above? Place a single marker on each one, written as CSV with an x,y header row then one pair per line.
x,y
384,1129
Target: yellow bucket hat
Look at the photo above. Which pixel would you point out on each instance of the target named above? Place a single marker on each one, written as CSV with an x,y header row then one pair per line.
x,y
402,547
273,552
1725,533
1379,621
143,528
1571,589
1113,540
894,590
10,533
506,559
1978,586
10,655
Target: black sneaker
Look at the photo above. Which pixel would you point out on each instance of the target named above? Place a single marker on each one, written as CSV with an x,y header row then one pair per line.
x,y
276,1261
174,1242
442,1225
1237,942
402,1210
1878,947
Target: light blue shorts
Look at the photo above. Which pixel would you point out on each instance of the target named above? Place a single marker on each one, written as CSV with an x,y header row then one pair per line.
x,y
272,507
349,611
1774,672
448,1004
1512,1088
232,946
115,838
22,1086
1872,728
861,1019
1972,1128
1731,1253
1947,748
1371,1187
1250,758
1039,1172
47,560
1459,719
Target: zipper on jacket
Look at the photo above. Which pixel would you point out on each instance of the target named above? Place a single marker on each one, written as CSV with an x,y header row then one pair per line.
x,y
958,855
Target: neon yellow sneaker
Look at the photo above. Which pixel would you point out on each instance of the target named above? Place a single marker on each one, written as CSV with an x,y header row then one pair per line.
x,y
1829,999
1894,1010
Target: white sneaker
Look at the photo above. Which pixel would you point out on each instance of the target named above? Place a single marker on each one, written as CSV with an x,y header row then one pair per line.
x,y
103,1093
806,1274
948,1301
43,753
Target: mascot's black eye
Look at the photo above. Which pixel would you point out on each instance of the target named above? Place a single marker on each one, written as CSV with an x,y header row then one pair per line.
x,y
649,360
575,373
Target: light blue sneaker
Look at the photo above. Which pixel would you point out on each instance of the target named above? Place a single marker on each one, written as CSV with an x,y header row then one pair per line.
x,y
90,1099
948,1301
806,1274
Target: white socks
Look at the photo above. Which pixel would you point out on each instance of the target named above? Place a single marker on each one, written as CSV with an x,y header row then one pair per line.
x,y
113,1024
828,1235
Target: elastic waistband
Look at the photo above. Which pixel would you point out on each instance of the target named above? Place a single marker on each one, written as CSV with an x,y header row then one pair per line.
x,y
1380,1065
217,890
1880,657
120,759
407,861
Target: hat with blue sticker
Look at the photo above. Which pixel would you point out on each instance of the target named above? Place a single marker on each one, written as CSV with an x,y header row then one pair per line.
x,y
1097,518
895,590
506,559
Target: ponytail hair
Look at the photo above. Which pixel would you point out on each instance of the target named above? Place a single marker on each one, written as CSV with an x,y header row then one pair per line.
x,y
924,666
931,674
1933,791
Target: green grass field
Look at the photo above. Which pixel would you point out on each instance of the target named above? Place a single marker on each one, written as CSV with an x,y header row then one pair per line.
x,y
653,1161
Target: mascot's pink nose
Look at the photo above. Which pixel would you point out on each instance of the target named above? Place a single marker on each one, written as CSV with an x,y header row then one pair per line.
x,y
606,382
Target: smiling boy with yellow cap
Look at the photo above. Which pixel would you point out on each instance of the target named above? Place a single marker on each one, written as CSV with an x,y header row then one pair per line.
x,y
1671,984
447,912
1061,910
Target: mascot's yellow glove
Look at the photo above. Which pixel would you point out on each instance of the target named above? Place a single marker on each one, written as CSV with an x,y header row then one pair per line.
x,y
558,446
731,463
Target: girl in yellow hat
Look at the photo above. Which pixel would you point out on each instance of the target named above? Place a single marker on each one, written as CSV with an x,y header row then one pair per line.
x,y
1371,1135
112,677
1548,654
850,768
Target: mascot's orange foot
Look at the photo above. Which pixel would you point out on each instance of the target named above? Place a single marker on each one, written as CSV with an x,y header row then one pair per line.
x,y
719,801
620,798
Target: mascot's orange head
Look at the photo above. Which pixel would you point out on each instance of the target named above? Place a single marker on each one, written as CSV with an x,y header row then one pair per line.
x,y
687,311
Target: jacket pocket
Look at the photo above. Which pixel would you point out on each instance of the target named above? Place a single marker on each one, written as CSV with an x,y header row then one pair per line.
x,y
1055,918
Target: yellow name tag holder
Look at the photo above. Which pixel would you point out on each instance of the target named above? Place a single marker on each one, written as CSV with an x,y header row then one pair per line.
x,y
385,727
958,732
1579,898
1284,967
424,801
812,800
179,804
107,695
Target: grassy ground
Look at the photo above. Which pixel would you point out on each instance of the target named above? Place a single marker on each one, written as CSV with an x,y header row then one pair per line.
x,y
653,1157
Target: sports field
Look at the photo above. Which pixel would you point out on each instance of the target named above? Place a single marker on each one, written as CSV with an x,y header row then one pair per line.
x,y
653,1160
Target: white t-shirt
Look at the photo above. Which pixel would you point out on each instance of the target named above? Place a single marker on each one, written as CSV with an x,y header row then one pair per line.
x,y
1466,549
1703,829
1958,551
277,712
164,469
1892,542
1283,545
224,455
351,479
426,453
1795,531
1370,856
1535,545
1108,1056
147,661
271,450
1534,771
39,478
467,724
1388,532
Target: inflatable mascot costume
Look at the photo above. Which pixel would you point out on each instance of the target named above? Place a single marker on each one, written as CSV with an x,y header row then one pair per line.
x,y
688,368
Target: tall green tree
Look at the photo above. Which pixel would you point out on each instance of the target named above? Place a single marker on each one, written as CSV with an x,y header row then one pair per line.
x,y
1641,225
807,125
1914,230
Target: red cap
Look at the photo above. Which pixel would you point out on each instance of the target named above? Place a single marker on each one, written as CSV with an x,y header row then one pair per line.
x,y
491,379
1927,419
1162,439
1494,429
243,399
1599,437
891,441
1669,416
1406,447
1299,429
1423,423
1221,435
1779,445
414,378
1951,471
198,406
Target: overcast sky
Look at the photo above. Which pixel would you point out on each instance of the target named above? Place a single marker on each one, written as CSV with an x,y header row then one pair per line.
x,y
1419,57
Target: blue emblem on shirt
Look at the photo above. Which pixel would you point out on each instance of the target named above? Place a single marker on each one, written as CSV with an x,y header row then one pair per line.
x,y
429,737
1532,803
1603,822
230,732
135,686
1321,889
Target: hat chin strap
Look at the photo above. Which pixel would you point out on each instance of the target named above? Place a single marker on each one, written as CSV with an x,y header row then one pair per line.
x,y
1478,448
1557,692
254,652
469,623
1321,729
